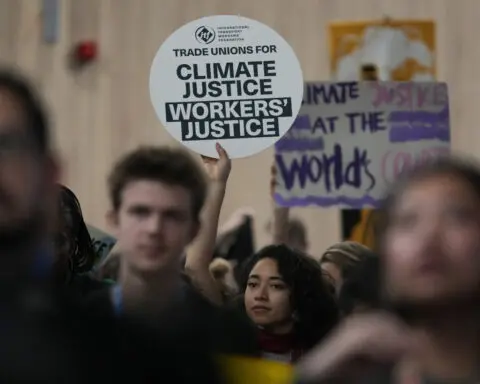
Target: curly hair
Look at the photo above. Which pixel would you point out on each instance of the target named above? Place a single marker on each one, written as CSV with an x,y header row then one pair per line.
x,y
311,298
83,255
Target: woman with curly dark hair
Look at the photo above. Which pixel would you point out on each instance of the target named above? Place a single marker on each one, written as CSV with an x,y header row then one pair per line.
x,y
74,252
288,299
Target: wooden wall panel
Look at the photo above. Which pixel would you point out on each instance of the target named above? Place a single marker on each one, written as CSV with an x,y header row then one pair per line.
x,y
105,110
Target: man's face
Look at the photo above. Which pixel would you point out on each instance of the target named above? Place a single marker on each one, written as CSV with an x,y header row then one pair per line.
x,y
24,178
153,225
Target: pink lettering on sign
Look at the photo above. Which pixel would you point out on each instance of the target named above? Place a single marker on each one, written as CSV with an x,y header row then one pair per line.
x,y
409,95
395,162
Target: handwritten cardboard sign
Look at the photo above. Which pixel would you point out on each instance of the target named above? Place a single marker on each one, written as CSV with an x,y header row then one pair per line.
x,y
350,140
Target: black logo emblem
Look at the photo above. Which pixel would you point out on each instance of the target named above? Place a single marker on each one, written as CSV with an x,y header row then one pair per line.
x,y
204,35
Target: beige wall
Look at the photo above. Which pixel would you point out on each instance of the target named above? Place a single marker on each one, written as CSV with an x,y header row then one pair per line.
x,y
105,110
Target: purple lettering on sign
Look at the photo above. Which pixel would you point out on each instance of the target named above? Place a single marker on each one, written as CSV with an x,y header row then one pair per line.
x,y
302,122
291,144
409,95
419,125
328,201
346,146
393,163
299,137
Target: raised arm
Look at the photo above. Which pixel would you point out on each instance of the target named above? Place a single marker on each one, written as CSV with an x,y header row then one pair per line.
x,y
200,253
280,214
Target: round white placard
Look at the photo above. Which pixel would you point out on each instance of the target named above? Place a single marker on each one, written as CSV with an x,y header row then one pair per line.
x,y
226,79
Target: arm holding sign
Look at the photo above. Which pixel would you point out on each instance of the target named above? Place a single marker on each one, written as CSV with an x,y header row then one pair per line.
x,y
201,251
280,214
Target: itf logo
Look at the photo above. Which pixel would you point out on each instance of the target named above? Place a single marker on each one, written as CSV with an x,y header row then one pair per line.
x,y
204,35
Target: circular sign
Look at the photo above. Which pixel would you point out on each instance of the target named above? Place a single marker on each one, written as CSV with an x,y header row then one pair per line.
x,y
226,79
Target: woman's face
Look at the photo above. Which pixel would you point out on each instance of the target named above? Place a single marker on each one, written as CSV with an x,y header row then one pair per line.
x,y
432,243
267,297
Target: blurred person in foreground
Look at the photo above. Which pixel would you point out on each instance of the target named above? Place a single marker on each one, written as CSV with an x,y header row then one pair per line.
x,y
157,195
45,337
429,330
36,325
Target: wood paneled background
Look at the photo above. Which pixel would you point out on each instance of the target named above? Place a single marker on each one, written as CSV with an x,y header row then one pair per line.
x,y
105,110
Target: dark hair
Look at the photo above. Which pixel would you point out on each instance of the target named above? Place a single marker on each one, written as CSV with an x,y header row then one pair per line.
x,y
36,116
463,168
167,165
83,256
311,296
361,286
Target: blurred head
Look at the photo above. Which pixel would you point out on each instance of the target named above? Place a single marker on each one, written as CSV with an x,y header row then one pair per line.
x,y
360,291
297,235
73,244
429,236
28,171
156,194
223,271
341,258
285,290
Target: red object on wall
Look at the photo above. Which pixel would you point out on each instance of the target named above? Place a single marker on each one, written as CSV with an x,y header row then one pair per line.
x,y
86,51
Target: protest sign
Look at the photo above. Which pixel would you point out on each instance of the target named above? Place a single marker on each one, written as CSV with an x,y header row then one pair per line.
x,y
226,79
387,50
352,139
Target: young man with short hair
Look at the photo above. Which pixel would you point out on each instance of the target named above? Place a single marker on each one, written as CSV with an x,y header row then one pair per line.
x,y
157,195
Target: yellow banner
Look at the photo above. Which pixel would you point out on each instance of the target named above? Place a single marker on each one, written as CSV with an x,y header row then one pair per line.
x,y
240,370
397,50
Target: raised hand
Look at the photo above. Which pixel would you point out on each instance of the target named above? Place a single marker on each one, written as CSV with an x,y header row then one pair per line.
x,y
361,343
219,169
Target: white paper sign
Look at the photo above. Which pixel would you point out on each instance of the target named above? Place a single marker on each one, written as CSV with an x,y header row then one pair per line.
x,y
226,79
351,140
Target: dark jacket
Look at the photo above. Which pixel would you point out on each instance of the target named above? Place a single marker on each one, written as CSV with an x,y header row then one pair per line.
x,y
47,339
219,330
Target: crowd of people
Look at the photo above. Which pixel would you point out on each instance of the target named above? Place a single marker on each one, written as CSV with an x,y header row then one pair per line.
x,y
171,298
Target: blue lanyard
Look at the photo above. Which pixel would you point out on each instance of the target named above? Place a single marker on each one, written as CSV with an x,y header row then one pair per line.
x,y
117,300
